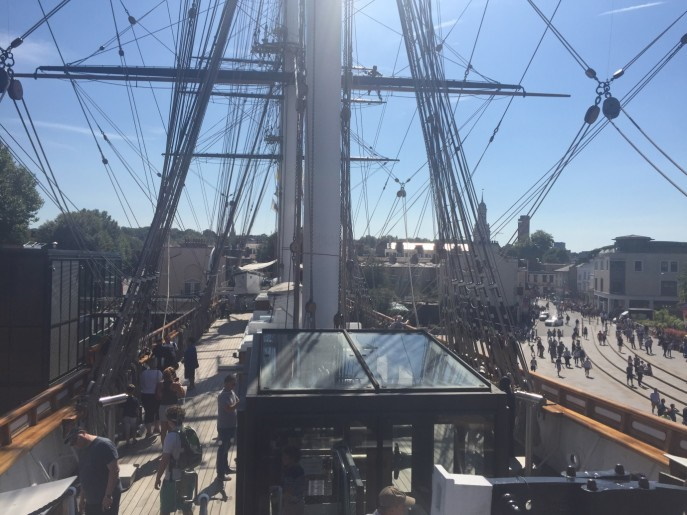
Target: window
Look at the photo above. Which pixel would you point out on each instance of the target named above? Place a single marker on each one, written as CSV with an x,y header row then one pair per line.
x,y
673,266
664,267
543,278
191,287
535,278
602,284
596,284
668,288
638,266
596,265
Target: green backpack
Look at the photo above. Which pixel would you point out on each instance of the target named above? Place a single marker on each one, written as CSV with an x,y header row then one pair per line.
x,y
191,449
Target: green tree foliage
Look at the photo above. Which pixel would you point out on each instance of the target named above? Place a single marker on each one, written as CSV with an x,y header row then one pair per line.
x,y
664,319
554,255
19,200
90,229
267,251
542,240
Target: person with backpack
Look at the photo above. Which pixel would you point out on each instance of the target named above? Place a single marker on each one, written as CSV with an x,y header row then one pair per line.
x,y
172,463
227,403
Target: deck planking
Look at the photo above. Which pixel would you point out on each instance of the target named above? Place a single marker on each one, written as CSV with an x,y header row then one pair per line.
x,y
217,345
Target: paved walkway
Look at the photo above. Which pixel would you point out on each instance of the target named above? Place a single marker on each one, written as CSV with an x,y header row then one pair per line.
x,y
220,341
608,379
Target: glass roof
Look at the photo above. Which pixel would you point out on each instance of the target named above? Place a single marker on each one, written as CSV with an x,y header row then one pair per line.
x,y
380,360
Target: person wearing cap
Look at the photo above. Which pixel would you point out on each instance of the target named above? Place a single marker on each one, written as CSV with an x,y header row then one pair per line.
x,y
392,501
171,451
98,472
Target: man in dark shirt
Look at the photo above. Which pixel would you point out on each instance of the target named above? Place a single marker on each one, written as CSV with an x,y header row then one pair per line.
x,y
98,472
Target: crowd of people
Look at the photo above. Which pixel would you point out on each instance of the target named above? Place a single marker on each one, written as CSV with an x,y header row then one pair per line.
x,y
629,334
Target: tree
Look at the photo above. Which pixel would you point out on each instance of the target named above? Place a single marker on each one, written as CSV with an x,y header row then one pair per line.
x,y
542,240
90,229
267,251
555,255
19,200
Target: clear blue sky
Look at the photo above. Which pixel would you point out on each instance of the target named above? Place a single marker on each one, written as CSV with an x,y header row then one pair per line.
x,y
607,191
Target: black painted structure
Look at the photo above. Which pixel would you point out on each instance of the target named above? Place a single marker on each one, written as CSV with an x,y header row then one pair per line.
x,y
397,401
49,305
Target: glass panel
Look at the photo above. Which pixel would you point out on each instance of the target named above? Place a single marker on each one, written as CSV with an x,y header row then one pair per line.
x,y
412,360
473,444
300,465
402,444
310,361
444,446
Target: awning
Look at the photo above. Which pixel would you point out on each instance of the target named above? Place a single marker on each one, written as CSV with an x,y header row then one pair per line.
x,y
256,266
281,288
35,499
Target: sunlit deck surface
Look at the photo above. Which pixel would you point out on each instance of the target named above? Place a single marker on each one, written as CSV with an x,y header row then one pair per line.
x,y
221,341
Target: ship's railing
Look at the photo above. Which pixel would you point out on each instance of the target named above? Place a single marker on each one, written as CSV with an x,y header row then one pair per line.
x,y
172,328
41,406
658,432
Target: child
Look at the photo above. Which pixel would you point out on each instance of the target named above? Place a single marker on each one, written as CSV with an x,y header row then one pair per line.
x,y
130,408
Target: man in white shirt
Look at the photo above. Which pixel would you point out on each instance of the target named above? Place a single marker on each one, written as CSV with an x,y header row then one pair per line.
x,y
171,450
392,501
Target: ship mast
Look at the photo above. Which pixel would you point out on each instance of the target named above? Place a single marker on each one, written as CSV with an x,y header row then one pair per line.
x,y
322,187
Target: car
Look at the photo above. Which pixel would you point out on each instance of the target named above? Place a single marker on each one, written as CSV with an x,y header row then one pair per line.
x,y
554,322
544,315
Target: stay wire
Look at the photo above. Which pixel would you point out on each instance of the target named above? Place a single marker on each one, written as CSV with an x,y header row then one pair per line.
x,y
83,110
647,159
511,99
653,142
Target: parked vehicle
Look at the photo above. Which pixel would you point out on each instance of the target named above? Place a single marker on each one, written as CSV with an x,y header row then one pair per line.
x,y
554,322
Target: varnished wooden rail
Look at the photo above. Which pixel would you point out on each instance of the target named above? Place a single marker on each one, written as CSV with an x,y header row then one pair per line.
x,y
663,434
40,406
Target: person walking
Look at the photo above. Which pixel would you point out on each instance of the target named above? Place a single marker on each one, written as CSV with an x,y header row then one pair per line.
x,y
149,379
227,403
533,364
191,363
170,500
655,398
98,472
130,412
559,365
587,365
169,391
392,501
629,376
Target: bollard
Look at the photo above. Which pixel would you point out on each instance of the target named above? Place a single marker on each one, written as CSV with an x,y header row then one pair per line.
x,y
203,500
71,501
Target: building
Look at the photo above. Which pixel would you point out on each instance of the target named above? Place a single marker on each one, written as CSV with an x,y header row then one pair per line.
x,y
183,269
523,229
638,272
585,282
541,278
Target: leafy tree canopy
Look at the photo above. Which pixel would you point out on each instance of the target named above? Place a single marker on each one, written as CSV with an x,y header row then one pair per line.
x,y
542,240
90,229
19,200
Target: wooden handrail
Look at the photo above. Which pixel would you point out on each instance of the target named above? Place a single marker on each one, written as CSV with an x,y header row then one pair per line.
x,y
615,415
171,327
30,408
